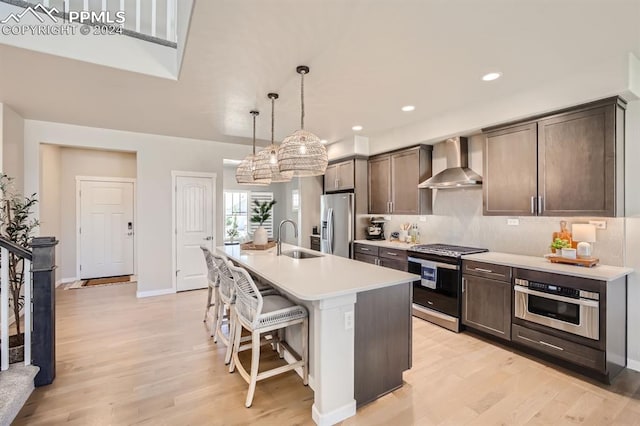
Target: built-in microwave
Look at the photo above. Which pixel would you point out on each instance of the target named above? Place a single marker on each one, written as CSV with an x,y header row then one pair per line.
x,y
566,309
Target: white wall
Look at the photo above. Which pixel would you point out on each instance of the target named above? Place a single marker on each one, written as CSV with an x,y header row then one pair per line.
x,y
49,195
157,156
632,231
12,145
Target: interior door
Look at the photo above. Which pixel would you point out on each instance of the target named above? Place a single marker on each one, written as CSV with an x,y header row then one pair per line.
x,y
106,229
195,210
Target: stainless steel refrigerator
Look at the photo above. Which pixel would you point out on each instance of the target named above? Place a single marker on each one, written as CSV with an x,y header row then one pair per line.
x,y
336,224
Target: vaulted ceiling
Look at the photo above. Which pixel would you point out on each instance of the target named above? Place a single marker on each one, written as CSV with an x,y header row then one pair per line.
x,y
368,58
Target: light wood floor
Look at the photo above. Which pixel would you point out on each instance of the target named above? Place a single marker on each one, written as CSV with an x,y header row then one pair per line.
x,y
124,361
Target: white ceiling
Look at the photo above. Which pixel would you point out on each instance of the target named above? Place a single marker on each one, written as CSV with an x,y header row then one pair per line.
x,y
368,58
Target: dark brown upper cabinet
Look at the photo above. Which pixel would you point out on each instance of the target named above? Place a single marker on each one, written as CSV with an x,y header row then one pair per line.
x,y
394,179
565,164
339,177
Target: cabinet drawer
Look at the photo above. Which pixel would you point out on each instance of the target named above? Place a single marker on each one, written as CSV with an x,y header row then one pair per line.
x,y
487,270
560,348
365,249
395,254
366,258
398,264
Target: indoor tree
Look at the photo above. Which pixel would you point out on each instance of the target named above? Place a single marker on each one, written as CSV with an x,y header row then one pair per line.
x,y
17,226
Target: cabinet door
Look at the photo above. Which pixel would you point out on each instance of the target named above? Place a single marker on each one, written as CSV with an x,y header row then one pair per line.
x,y
510,171
379,184
576,163
398,264
486,305
331,178
405,177
345,175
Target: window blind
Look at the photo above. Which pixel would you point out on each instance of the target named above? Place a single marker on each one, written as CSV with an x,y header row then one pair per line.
x,y
261,197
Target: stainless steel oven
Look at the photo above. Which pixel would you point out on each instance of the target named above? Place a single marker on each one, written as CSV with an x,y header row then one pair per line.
x,y
562,308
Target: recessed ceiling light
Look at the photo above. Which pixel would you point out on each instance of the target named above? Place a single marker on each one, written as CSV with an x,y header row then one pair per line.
x,y
323,141
356,128
408,108
492,76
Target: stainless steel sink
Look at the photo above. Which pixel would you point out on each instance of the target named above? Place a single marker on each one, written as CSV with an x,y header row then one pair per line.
x,y
299,254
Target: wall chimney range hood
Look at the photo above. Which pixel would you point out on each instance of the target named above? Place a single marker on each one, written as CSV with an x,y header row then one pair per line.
x,y
457,174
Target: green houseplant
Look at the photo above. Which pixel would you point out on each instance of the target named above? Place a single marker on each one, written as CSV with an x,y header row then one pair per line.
x,y
260,213
232,228
17,226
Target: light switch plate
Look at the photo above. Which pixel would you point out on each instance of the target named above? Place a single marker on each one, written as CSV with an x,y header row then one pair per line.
x,y
599,224
348,320
513,222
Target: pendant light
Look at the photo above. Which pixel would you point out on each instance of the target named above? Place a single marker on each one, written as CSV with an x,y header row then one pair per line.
x,y
246,169
267,160
302,153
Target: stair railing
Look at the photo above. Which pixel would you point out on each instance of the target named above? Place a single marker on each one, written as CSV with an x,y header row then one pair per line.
x,y
39,305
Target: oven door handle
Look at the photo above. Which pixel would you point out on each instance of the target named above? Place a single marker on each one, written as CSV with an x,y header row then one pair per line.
x,y
438,264
581,302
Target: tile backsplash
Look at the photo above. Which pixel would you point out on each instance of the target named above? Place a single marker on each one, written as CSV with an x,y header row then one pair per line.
x,y
457,219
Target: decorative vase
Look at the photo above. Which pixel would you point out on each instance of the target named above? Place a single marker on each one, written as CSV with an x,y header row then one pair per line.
x,y
260,237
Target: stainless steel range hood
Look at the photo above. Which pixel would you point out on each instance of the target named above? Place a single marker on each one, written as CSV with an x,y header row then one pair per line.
x,y
457,174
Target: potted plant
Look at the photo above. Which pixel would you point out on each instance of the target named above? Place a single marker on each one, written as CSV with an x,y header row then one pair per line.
x,y
261,212
17,227
558,244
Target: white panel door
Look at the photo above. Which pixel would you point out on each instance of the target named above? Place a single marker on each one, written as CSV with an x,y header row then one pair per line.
x,y
195,207
106,229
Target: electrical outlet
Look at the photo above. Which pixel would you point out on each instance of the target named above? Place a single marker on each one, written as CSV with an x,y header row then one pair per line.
x,y
513,222
348,320
423,218
599,224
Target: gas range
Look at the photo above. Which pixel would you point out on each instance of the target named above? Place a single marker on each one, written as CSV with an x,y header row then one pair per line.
x,y
437,295
444,250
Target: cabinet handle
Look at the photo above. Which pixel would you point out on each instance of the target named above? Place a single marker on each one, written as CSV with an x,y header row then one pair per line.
x,y
464,284
488,271
551,346
533,204
364,249
337,182
392,254
391,204
540,204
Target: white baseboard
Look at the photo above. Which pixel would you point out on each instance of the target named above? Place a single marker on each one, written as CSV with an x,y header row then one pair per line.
x,y
66,281
153,293
632,364
335,416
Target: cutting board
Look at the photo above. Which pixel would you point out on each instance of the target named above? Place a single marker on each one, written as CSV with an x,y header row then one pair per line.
x,y
588,262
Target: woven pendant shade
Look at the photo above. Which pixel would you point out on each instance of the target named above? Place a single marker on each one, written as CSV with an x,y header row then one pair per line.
x,y
245,173
302,153
267,160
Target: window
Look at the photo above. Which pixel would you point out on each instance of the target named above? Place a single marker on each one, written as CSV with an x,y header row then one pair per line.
x,y
295,200
237,214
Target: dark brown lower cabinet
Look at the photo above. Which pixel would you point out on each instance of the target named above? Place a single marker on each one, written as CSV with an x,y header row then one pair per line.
x,y
387,257
382,341
486,298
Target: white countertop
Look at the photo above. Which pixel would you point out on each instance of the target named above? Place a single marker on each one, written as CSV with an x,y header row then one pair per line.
x,y
317,278
386,244
598,272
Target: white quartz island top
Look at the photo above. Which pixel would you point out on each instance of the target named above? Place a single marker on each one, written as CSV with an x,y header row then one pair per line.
x,y
318,278
598,272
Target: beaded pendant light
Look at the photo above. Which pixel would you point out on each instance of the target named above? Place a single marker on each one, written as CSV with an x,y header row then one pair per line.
x,y
302,153
245,173
267,166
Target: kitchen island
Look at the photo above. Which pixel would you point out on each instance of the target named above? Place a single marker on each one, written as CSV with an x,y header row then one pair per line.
x,y
359,323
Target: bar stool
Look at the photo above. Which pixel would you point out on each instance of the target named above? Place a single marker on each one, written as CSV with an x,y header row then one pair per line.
x,y
213,281
225,298
262,314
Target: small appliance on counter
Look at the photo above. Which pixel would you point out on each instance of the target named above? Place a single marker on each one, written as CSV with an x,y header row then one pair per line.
x,y
375,230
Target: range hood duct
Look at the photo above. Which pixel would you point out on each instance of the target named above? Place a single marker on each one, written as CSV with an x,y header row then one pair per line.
x,y
457,174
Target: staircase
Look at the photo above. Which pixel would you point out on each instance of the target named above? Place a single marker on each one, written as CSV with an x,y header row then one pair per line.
x,y
18,380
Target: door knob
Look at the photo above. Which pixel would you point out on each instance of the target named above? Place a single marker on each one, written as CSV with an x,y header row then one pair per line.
x,y
208,238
